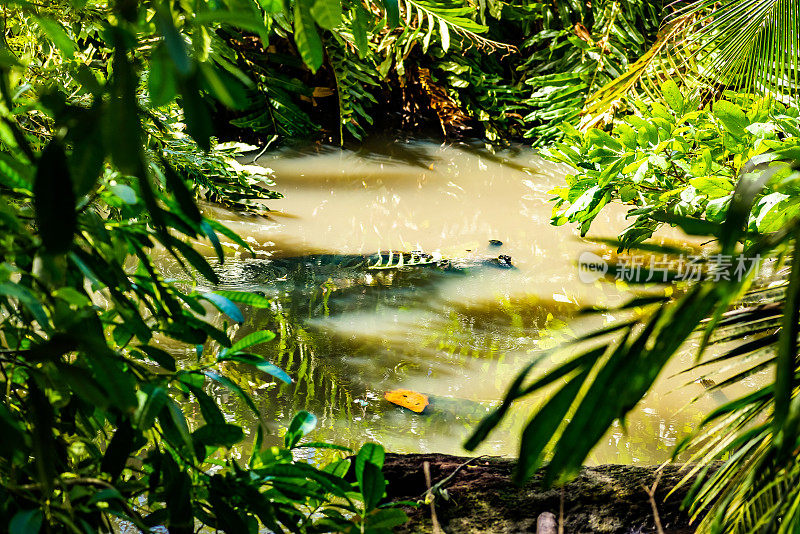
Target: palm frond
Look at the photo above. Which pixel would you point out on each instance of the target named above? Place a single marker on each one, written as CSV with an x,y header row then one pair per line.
x,y
646,73
746,45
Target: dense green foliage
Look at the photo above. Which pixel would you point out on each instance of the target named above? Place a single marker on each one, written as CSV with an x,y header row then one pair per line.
x,y
110,116
496,70
676,163
96,174
502,71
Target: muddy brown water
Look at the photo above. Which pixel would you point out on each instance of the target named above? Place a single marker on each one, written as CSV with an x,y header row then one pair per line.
x,y
346,339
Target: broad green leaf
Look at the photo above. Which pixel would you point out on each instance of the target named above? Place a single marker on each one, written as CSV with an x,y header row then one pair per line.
x,y
196,111
227,232
227,89
360,30
27,299
197,260
242,19
151,401
26,522
372,485
122,130
249,299
125,193
161,357
337,468
259,363
14,174
712,186
212,236
219,434
392,13
386,518
778,215
191,379
272,6
327,13
302,423
690,225
717,208
119,450
183,196
173,423
627,135
370,453
228,383
628,193
87,159
120,385
444,34
83,385
224,305
731,116
56,33
173,41
161,84
305,35
333,484
178,498
262,336
673,96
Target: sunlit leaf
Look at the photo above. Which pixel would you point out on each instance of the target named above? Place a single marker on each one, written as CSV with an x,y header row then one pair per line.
x,y
56,33
302,423
306,36
224,305
259,363
327,13
255,338
249,299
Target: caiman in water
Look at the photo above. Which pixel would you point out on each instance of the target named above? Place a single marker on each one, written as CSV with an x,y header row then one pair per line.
x,y
347,270
326,284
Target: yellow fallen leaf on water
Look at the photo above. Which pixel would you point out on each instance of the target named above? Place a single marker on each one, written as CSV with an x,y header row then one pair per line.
x,y
416,402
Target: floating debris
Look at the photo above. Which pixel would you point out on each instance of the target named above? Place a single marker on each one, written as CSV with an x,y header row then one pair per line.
x,y
416,402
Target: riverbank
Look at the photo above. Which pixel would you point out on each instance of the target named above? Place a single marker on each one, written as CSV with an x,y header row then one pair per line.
x,y
480,497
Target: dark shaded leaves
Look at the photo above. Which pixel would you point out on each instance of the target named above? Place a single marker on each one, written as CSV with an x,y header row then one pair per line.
x,y
54,199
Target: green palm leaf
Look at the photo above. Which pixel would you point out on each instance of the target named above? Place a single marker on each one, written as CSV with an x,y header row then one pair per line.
x,y
746,45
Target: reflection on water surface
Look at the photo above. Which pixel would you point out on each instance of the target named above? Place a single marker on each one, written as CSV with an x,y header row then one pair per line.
x,y
347,333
